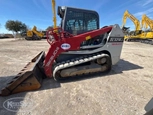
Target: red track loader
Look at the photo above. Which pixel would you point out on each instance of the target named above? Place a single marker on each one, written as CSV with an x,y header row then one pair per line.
x,y
78,47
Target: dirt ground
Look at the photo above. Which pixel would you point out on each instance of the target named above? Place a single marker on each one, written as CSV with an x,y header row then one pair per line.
x,y
126,90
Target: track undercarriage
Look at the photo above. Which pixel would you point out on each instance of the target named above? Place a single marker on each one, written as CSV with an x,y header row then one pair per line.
x,y
146,41
33,38
99,62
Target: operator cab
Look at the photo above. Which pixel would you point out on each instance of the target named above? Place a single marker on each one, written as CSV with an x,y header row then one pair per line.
x,y
77,21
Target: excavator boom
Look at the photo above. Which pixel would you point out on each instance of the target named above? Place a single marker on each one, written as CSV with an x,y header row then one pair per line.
x,y
137,34
132,18
146,21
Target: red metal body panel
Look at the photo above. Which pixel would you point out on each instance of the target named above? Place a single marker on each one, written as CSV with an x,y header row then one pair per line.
x,y
72,41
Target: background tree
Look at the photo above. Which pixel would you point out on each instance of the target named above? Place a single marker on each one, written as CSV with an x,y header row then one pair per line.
x,y
15,26
23,28
49,27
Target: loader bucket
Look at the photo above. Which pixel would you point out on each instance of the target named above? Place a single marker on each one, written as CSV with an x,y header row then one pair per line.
x,y
30,78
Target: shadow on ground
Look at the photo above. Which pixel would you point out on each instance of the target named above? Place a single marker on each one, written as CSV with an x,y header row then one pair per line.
x,y
51,83
116,69
149,107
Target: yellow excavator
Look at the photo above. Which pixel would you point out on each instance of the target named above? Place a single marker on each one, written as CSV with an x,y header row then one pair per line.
x,y
145,22
34,34
138,34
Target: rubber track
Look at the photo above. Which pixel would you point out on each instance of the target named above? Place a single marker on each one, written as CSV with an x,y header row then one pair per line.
x,y
142,41
77,61
147,42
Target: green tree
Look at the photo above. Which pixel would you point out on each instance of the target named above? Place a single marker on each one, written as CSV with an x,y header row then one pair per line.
x,y
15,26
24,28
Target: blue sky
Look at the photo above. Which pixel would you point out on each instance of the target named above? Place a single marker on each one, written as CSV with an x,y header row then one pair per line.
x,y
39,12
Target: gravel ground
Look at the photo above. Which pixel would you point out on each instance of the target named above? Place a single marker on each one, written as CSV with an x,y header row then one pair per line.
x,y
126,90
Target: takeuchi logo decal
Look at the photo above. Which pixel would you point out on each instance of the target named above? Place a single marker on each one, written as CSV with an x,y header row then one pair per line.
x,y
14,104
65,46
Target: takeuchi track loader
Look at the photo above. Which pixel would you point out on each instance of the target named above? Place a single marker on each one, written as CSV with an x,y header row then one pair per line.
x,y
78,47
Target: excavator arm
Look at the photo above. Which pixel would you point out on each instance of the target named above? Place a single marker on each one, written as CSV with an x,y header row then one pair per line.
x,y
146,21
39,34
132,18
34,34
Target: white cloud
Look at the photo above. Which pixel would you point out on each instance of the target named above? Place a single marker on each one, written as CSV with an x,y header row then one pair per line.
x,y
147,2
36,3
144,3
147,12
150,16
139,13
99,4
150,10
